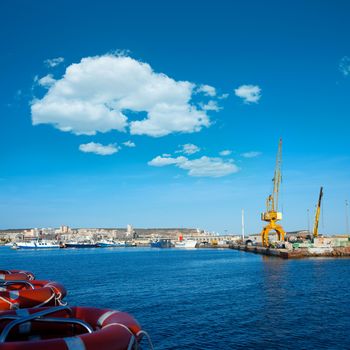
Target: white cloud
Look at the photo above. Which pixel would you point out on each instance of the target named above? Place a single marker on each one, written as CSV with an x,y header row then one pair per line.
x,y
46,81
129,144
200,167
249,93
189,148
251,154
225,153
210,106
223,96
96,94
53,62
97,148
207,90
162,161
344,65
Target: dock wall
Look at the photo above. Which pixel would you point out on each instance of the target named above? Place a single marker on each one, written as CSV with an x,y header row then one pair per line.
x,y
295,253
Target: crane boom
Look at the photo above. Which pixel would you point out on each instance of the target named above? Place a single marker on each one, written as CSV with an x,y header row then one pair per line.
x,y
317,214
277,177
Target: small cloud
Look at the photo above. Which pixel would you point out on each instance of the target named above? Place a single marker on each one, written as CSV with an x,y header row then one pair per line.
x,y
53,62
129,144
251,154
18,94
97,148
200,167
189,148
249,93
160,161
344,65
210,106
225,153
223,96
207,90
46,81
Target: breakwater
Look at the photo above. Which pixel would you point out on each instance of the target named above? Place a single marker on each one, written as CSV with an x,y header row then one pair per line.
x,y
295,253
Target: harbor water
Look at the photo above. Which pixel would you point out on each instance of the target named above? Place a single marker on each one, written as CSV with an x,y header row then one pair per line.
x,y
206,298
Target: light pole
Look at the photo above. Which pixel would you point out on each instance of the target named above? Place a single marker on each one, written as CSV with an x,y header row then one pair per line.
x,y
243,225
347,216
308,220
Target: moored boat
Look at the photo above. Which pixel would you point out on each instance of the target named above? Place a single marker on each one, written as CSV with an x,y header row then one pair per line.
x,y
36,244
186,243
111,244
161,243
83,244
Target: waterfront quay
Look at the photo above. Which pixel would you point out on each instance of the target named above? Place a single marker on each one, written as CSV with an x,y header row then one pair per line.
x,y
298,244
298,253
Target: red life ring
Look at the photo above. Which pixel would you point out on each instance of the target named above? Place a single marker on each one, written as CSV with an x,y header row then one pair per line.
x,y
10,275
26,294
109,330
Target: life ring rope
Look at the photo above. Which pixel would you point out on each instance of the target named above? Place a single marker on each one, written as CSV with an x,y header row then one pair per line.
x,y
8,301
15,295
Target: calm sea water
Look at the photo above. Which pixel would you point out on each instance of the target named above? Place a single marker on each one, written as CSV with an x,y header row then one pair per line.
x,y
206,299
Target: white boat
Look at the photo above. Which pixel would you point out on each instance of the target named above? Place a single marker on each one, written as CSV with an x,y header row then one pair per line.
x,y
36,244
186,243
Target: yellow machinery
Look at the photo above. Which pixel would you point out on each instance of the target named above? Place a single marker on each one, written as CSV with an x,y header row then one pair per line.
x,y
272,215
317,214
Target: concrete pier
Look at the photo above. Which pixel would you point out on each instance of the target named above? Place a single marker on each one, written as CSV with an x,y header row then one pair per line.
x,y
295,253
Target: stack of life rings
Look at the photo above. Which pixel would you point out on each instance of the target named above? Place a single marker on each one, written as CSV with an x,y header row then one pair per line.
x,y
33,316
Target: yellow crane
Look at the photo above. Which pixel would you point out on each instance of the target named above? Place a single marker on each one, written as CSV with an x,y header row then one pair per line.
x,y
317,214
272,215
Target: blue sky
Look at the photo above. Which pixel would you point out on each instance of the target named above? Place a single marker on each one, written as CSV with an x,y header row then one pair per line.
x,y
155,62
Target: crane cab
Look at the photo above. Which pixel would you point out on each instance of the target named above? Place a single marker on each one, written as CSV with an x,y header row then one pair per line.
x,y
271,215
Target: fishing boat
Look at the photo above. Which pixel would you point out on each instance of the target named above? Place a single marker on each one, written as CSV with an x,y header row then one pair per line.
x,y
161,243
36,244
104,243
111,244
82,244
